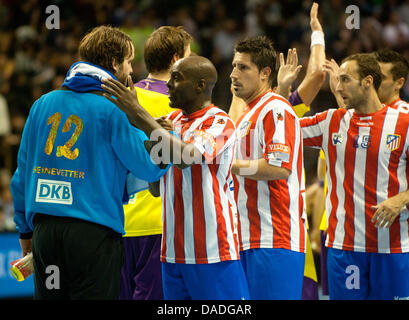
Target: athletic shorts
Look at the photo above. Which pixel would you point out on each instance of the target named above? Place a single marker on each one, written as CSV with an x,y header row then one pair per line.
x,y
360,275
214,281
274,274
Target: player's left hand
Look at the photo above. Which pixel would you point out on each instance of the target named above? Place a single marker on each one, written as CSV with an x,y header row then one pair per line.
x,y
387,211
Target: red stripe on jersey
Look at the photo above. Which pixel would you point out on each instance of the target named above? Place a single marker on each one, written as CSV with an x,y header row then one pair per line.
x,y
313,121
350,152
232,218
250,187
179,221
301,201
199,222
236,196
221,222
315,141
393,187
371,177
281,220
332,158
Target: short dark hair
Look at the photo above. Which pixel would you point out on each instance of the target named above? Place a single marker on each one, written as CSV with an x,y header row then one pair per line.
x,y
262,54
400,66
162,45
104,44
367,66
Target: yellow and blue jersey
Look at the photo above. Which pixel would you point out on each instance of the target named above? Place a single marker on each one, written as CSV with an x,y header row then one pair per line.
x,y
143,213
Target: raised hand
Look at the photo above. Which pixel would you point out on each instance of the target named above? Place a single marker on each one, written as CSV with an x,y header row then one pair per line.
x,y
314,22
288,72
332,69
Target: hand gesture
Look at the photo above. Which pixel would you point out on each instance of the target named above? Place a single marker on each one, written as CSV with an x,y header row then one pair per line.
x,y
165,123
126,99
289,70
387,211
314,22
332,69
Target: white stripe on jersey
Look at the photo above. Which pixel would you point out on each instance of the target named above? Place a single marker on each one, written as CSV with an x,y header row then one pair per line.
x,y
339,187
359,193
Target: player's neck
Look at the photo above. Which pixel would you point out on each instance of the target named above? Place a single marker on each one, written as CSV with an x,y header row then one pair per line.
x,y
199,105
370,105
257,93
163,76
392,99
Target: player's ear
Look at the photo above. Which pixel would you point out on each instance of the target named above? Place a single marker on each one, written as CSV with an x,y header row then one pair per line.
x,y
400,82
115,65
367,82
201,86
175,58
265,73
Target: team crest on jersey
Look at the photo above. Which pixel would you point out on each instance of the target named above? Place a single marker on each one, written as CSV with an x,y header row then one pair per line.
x,y
337,138
392,141
244,129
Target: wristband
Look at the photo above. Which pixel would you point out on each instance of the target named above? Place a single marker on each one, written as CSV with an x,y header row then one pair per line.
x,y
317,38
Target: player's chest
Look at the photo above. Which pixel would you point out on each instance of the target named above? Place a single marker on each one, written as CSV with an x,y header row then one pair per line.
x,y
375,139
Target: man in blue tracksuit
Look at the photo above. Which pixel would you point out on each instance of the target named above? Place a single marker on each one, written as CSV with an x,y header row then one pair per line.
x,y
76,150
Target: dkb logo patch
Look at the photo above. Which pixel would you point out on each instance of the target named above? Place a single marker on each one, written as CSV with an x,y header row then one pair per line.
x,y
54,191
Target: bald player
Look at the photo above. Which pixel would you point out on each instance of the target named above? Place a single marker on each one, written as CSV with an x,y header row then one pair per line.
x,y
199,251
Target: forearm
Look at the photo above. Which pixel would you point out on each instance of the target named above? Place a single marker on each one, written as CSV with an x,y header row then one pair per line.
x,y
166,148
259,169
315,75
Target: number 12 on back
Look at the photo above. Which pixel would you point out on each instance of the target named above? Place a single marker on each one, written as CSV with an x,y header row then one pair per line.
x,y
65,150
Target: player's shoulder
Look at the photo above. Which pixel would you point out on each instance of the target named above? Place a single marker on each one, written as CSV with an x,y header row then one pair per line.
x,y
275,102
402,106
220,116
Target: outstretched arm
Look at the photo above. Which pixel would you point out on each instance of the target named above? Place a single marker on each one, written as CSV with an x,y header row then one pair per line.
x,y
186,154
315,75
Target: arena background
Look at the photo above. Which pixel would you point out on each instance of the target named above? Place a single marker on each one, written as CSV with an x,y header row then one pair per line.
x,y
34,59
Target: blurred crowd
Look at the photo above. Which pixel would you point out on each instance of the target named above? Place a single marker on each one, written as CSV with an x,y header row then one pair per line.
x,y
34,59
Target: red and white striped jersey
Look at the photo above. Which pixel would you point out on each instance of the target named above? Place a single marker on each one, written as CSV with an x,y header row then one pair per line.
x,y
271,213
199,216
401,104
366,158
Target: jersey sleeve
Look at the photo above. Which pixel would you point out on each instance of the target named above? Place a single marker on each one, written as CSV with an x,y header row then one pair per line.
x,y
128,143
18,183
213,135
312,129
278,137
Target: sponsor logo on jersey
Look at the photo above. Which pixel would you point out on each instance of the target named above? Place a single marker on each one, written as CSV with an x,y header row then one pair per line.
x,y
53,191
337,138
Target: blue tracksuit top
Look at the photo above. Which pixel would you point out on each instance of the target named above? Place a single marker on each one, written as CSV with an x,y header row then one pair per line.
x,y
74,156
